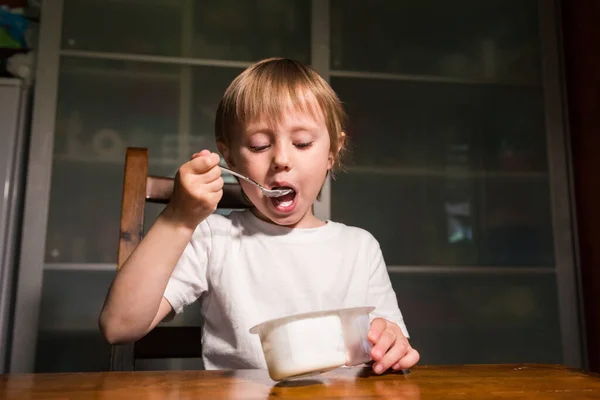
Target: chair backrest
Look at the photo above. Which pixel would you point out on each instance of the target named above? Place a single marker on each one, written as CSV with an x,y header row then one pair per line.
x,y
138,189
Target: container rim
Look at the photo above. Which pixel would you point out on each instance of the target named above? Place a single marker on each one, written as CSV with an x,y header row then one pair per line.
x,y
312,314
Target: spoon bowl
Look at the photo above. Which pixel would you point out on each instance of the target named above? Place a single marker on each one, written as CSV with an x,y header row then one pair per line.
x,y
266,192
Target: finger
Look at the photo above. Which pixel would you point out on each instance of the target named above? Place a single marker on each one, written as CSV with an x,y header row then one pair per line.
x,y
215,185
194,178
411,358
202,164
204,161
377,327
202,153
395,353
215,197
209,176
386,340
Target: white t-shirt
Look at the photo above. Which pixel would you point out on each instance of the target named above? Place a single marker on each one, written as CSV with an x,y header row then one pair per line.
x,y
248,271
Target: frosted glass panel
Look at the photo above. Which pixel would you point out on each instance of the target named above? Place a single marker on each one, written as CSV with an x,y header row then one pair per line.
x,y
458,173
469,39
207,87
143,27
241,30
103,108
499,318
251,29
69,339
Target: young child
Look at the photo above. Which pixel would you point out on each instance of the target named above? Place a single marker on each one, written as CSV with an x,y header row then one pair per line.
x,y
282,125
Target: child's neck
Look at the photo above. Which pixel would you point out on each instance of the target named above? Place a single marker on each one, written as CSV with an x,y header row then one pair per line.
x,y
306,222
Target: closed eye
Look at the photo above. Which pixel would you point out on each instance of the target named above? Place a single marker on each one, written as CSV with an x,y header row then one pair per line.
x,y
258,149
303,145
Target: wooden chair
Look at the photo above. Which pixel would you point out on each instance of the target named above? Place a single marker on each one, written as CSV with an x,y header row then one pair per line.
x,y
139,189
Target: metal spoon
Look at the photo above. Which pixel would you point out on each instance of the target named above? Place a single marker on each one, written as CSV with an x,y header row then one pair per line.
x,y
266,192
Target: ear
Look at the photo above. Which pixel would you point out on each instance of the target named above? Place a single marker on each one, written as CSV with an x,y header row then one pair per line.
x,y
224,150
333,153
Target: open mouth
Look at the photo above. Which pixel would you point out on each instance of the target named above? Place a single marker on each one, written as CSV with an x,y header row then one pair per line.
x,y
286,201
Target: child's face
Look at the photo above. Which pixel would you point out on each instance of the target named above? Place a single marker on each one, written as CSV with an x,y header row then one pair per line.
x,y
296,154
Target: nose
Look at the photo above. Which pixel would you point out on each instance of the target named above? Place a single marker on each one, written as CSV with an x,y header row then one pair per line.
x,y
281,158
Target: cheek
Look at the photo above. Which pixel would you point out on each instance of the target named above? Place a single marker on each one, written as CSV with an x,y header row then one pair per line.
x,y
251,191
243,162
315,172
326,160
253,169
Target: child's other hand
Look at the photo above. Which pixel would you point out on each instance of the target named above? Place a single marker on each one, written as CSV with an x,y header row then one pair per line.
x,y
197,191
390,347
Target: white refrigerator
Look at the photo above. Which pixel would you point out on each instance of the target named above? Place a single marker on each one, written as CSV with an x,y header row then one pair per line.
x,y
13,152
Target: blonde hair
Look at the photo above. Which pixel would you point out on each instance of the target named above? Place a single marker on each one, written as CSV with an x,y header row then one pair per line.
x,y
264,90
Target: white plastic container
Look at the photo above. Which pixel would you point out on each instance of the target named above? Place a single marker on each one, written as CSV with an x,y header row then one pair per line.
x,y
316,342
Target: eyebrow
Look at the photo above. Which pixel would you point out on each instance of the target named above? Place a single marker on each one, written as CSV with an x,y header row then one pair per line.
x,y
265,128
297,128
256,128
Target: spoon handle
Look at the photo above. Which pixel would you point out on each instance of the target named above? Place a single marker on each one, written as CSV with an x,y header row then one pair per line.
x,y
242,177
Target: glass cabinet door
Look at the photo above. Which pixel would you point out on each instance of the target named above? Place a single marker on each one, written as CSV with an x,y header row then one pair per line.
x,y
448,144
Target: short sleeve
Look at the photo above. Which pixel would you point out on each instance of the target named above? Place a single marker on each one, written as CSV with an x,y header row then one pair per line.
x,y
188,280
381,293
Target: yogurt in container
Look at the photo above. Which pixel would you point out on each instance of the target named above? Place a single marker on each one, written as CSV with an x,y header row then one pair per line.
x,y
311,343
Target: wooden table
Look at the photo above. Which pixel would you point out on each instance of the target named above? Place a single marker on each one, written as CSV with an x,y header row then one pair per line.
x,y
424,382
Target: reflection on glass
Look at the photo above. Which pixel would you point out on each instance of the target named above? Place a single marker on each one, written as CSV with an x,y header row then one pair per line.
x,y
468,39
458,172
238,30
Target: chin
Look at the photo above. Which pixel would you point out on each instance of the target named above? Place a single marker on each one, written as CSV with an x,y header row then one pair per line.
x,y
288,218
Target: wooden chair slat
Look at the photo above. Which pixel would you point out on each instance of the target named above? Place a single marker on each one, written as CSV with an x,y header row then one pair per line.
x,y
159,189
132,203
